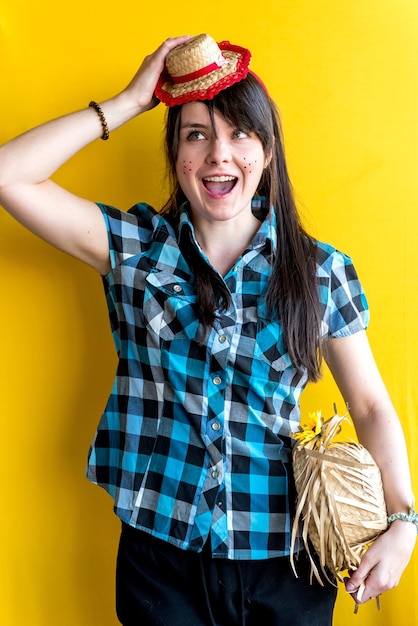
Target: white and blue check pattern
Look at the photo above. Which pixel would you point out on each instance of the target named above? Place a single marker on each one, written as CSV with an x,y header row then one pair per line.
x,y
194,441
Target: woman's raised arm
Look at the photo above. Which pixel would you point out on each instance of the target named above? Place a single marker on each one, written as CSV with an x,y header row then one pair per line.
x,y
68,222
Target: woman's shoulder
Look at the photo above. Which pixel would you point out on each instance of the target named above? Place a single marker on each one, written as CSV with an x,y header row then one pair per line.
x,y
138,212
328,256
132,232
140,216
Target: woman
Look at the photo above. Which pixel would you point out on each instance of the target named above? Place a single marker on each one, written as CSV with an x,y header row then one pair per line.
x,y
222,308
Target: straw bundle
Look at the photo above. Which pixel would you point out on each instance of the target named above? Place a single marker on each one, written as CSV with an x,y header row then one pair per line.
x,y
340,505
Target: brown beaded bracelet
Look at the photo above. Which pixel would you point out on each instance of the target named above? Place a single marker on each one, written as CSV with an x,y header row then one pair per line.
x,y
100,113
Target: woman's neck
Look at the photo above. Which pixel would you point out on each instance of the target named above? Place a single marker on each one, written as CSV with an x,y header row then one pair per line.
x,y
223,243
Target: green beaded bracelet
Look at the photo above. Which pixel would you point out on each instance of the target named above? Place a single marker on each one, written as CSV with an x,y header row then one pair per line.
x,y
405,517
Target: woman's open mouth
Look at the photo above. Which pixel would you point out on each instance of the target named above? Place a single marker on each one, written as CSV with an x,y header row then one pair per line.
x,y
219,185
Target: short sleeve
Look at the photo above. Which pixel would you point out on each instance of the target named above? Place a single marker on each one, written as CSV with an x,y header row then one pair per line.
x,y
129,232
344,304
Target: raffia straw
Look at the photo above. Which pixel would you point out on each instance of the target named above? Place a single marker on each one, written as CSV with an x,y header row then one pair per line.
x,y
340,506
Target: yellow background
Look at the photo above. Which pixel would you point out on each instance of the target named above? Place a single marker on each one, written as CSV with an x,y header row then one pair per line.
x,y
344,75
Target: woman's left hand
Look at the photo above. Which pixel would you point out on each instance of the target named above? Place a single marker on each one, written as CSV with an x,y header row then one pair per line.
x,y
383,563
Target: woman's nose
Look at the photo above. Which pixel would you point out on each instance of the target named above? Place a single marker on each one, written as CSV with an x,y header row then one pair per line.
x,y
219,151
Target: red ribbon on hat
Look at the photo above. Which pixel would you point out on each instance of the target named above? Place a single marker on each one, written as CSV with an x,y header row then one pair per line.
x,y
198,73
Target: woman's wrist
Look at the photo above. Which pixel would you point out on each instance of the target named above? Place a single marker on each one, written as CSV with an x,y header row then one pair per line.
x,y
115,112
411,517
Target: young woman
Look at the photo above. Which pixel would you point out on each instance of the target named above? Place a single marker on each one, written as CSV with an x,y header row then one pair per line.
x,y
222,308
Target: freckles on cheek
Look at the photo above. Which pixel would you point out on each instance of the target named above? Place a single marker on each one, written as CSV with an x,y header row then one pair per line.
x,y
186,167
248,165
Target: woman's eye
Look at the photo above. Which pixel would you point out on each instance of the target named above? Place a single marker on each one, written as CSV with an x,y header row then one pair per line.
x,y
195,135
239,134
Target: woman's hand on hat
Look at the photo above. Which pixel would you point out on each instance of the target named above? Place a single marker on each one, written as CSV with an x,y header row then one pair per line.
x,y
142,86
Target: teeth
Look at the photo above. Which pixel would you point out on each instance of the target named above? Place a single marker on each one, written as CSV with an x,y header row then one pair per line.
x,y
219,179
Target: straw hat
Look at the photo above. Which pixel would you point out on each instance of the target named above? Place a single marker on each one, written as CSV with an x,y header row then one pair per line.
x,y
199,69
341,506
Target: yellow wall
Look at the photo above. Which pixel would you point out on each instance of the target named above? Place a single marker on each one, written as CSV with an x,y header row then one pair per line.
x,y
344,76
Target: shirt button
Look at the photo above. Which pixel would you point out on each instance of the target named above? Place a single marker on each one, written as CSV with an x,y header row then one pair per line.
x,y
222,338
216,380
216,426
236,268
177,288
215,473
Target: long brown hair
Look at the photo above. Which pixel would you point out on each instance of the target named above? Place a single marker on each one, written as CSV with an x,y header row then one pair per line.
x,y
292,295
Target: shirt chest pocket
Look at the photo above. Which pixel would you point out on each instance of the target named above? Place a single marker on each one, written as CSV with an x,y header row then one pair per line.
x,y
269,344
168,307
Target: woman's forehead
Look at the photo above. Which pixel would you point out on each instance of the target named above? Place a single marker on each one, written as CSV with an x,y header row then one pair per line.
x,y
200,114
196,111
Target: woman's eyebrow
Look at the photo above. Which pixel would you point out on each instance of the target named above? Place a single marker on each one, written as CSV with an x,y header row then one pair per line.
x,y
199,126
187,124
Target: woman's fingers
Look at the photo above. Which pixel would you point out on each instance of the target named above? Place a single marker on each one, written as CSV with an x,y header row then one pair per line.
x,y
143,84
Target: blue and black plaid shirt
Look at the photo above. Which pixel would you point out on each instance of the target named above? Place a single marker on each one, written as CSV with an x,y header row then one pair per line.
x,y
194,440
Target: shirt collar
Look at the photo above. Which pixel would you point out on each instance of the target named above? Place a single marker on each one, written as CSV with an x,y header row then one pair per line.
x,y
261,209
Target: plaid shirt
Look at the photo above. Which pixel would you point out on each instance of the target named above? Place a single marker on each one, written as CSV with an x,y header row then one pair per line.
x,y
194,441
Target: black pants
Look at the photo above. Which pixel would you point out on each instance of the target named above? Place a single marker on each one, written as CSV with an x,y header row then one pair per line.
x,y
161,585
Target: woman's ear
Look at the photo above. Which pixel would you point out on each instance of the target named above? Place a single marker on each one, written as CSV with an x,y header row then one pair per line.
x,y
267,159
269,155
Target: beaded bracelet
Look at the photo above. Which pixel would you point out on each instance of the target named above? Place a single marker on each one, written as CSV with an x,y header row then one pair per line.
x,y
405,517
100,113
